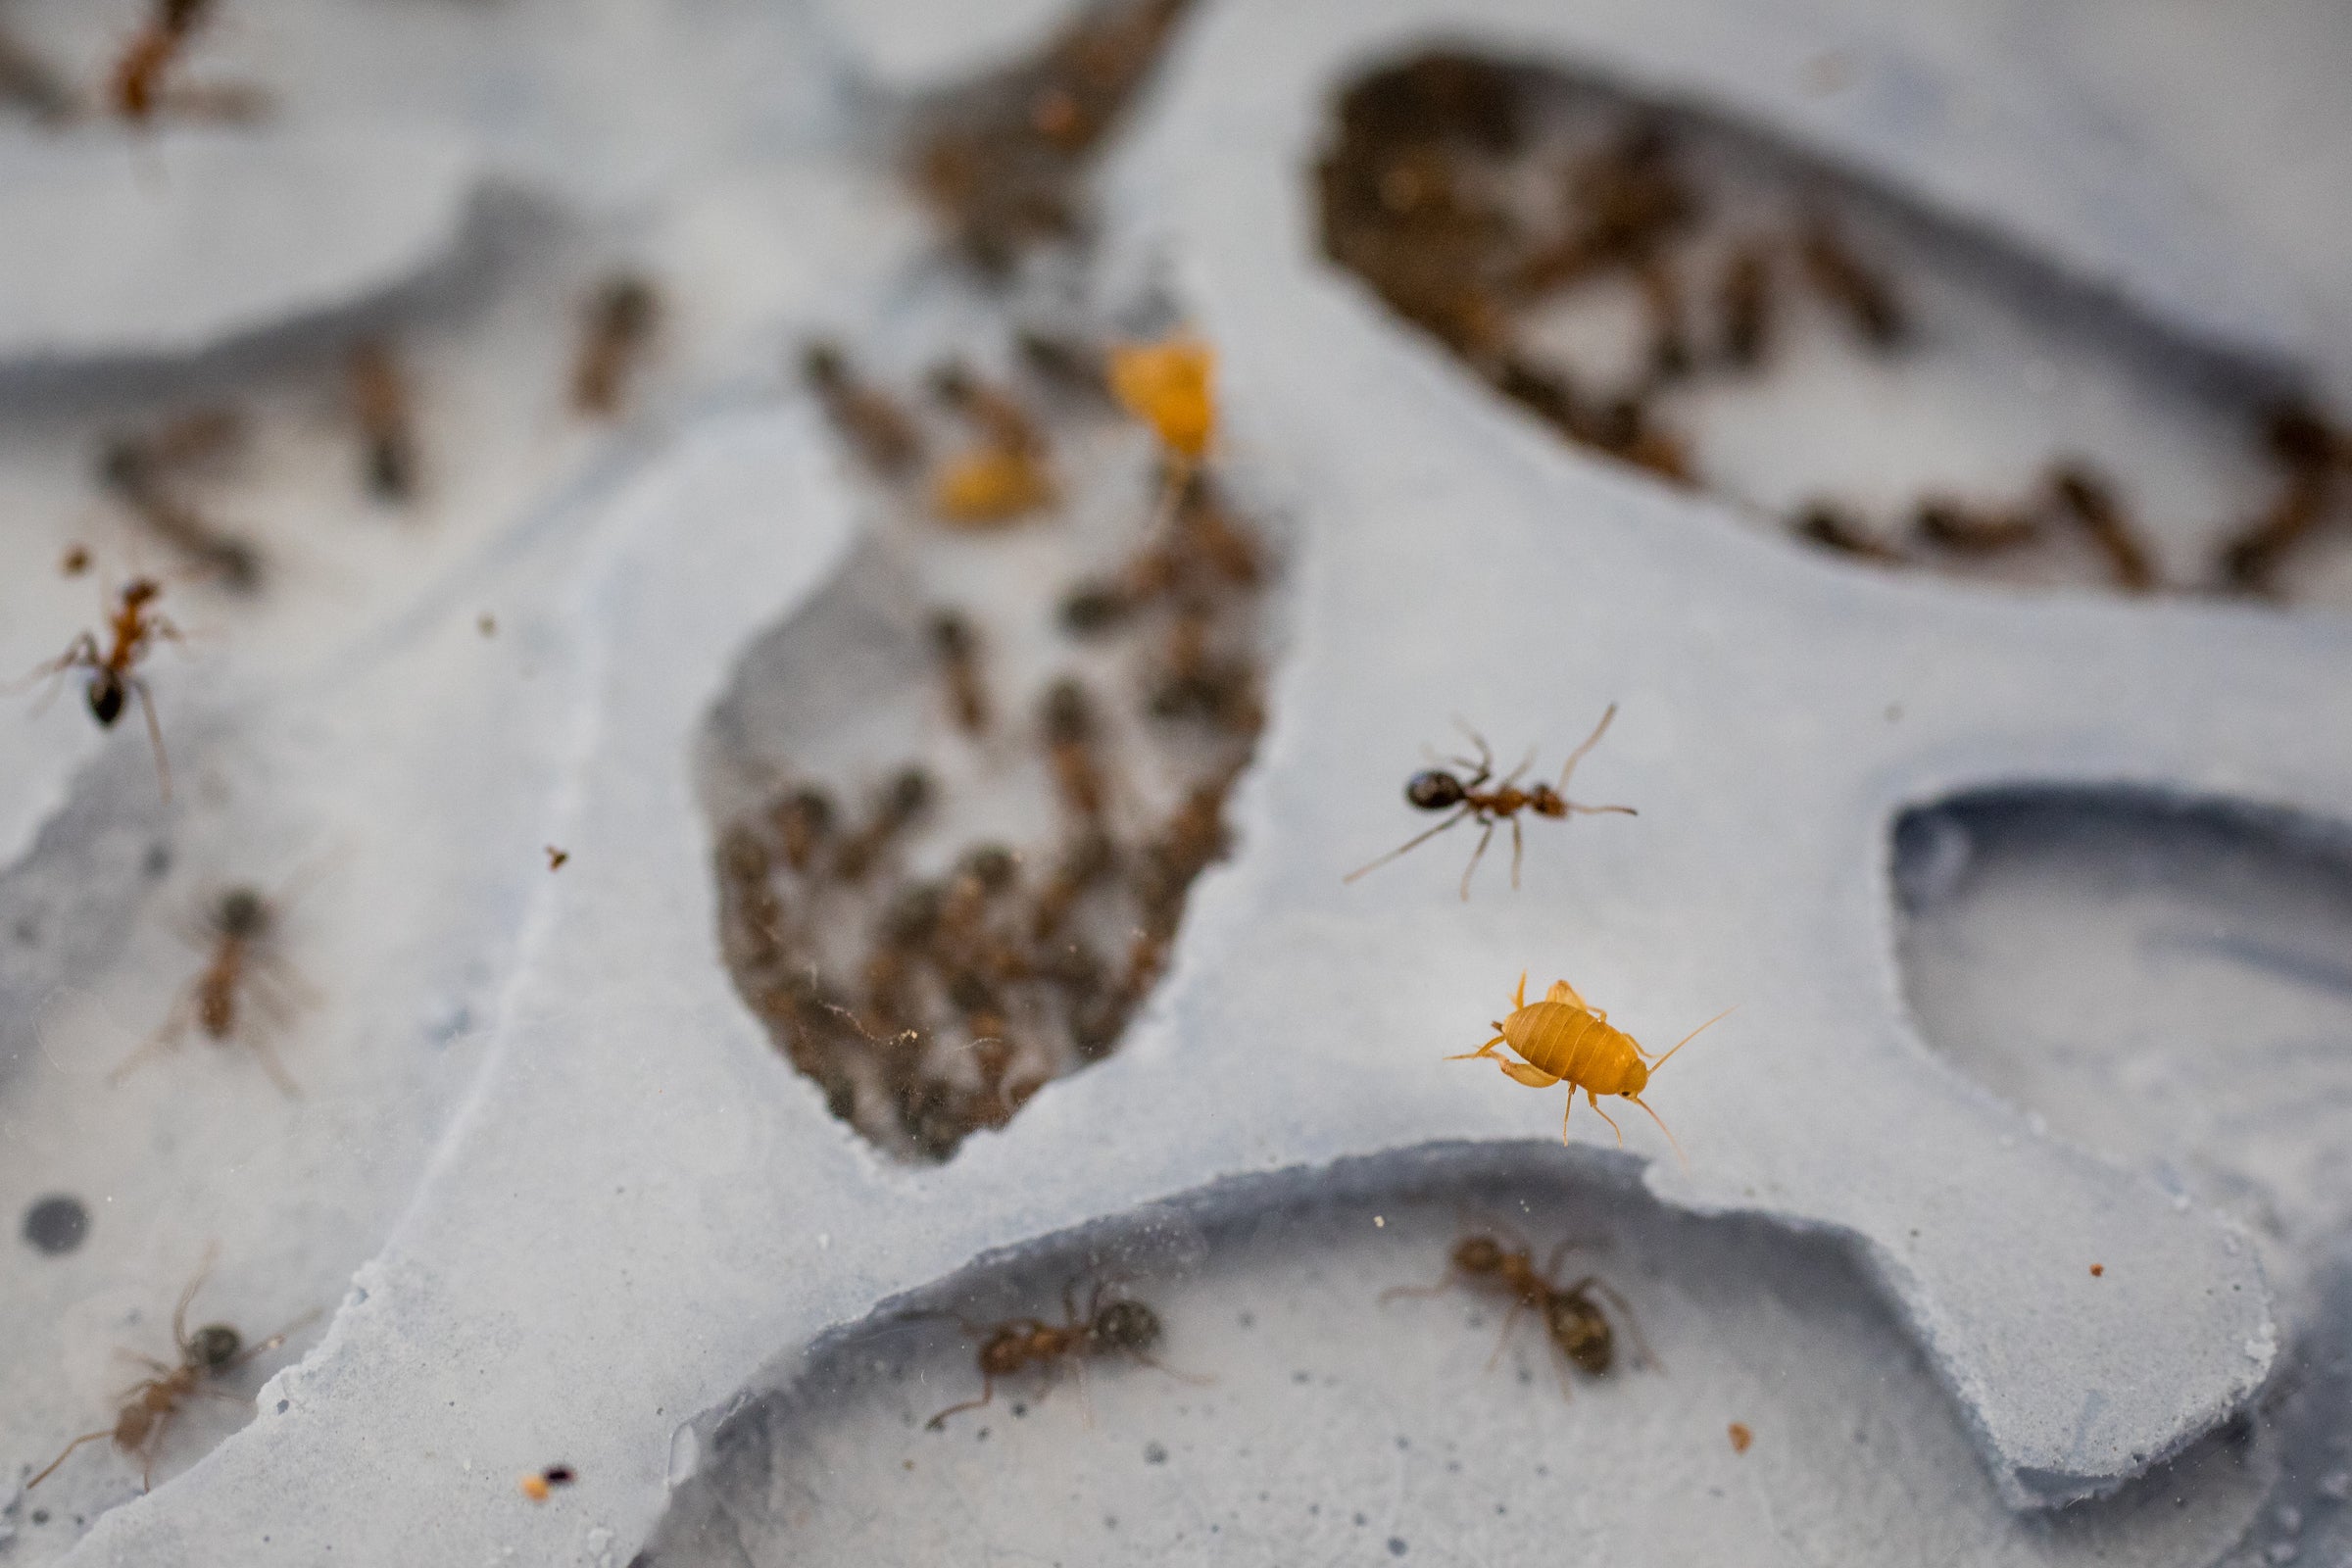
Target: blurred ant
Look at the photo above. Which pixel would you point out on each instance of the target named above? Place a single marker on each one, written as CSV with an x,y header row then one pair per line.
x,y
908,797
874,422
132,628
2087,500
621,318
1850,284
1436,790
245,968
804,820
957,646
137,89
213,1351
143,471
1965,530
537,1485
1073,736
1572,1320
1116,1327
380,403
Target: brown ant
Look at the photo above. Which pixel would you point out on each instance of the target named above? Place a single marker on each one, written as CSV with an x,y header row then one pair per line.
x,y
2310,450
908,797
211,1353
1572,1320
132,628
244,967
957,646
1850,284
380,404
1969,530
1743,301
872,422
621,318
1832,527
2092,506
1436,790
143,469
804,820
1119,1326
1074,735
138,80
1670,357
1090,857
1195,683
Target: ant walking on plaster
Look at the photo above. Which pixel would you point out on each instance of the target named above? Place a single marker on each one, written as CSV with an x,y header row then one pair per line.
x,y
1573,1320
1467,796
132,628
245,975
1118,1326
211,1353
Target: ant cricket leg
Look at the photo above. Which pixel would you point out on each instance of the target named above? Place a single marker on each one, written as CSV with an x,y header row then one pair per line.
x,y
1633,1329
1413,843
1485,1051
1597,1111
1476,855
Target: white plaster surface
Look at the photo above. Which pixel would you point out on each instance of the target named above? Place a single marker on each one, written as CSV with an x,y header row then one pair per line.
x,y
597,1210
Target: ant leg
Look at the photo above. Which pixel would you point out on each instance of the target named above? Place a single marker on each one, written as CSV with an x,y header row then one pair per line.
x,y
1510,1320
1525,762
155,733
265,1347
1413,843
1445,1283
988,1392
1486,752
164,1038
1604,1117
1517,849
1633,1330
1198,1380
86,1436
1475,855
266,1054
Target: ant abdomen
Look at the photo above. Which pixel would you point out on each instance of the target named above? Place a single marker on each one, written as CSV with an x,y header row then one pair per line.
x,y
106,699
1434,791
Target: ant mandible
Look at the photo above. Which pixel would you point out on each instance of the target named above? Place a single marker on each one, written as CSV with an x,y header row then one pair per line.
x,y
132,627
1436,790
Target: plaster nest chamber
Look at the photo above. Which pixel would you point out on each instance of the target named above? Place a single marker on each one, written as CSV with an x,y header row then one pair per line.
x,y
600,1219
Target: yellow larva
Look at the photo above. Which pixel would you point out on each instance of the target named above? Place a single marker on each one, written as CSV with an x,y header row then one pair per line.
x,y
1565,1039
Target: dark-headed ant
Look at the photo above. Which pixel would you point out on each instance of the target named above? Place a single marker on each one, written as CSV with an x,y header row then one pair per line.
x,y
1118,1326
621,318
213,1351
132,628
1572,1319
244,967
1438,790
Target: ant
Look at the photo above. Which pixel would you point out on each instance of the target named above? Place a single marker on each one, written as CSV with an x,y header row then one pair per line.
x,y
1832,527
908,795
213,1351
804,818
1966,530
2087,500
380,402
621,320
141,470
1119,1326
1573,1321
1073,732
883,433
132,628
1846,282
957,648
1436,790
244,967
139,75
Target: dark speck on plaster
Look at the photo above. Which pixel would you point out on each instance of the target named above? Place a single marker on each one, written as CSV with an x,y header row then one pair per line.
x,y
1154,1453
159,858
282,1405
1301,1376
1396,1545
57,1224
1360,1520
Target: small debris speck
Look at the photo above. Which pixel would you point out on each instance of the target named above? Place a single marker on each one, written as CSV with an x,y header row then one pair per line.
x,y
2097,1269
1742,1437
555,858
1360,1520
1380,1222
1396,1545
1154,1453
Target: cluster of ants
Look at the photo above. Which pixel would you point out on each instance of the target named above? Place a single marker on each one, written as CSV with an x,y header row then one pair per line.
x,y
1116,1324
1418,198
931,1007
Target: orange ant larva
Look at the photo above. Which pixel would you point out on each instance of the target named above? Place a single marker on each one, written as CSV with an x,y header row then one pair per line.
x,y
2092,506
956,647
244,968
1119,1326
1438,790
132,629
211,1354
1844,280
1832,527
382,408
1564,1039
871,421
1740,1436
621,320
1073,736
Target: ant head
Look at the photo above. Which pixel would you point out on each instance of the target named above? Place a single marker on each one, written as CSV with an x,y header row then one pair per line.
x,y
1434,791
1545,801
1479,1255
1128,1325
105,693
214,1345
242,913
